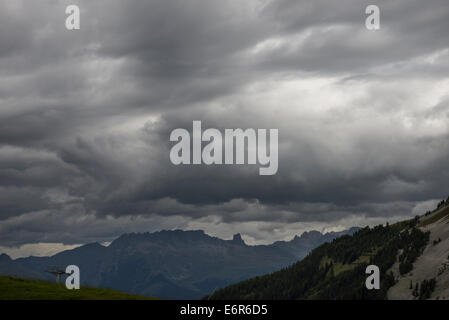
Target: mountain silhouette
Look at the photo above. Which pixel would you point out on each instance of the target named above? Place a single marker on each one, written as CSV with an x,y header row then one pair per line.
x,y
171,264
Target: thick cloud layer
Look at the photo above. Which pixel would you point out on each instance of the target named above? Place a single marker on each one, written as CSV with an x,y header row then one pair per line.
x,y
86,115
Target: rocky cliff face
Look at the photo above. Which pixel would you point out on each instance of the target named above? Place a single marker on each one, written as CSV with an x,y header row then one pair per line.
x,y
433,264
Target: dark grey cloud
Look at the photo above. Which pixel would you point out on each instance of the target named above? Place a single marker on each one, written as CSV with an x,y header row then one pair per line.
x,y
85,116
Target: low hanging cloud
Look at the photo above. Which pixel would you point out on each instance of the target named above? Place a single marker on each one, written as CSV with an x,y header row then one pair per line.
x,y
86,116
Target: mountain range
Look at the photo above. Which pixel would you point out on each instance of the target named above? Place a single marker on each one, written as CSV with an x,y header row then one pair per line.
x,y
171,264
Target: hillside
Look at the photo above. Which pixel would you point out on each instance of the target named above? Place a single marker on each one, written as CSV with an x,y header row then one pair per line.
x,y
337,270
12,288
170,264
432,267
412,257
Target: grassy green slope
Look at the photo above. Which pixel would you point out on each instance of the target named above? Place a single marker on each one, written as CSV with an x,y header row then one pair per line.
x,y
12,288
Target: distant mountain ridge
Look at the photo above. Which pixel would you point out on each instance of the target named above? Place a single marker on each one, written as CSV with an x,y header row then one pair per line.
x,y
171,264
309,240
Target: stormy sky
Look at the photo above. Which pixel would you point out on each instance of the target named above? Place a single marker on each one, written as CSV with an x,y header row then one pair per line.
x,y
86,115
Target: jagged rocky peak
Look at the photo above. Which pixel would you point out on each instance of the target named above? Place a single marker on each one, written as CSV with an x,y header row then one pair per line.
x,y
311,234
237,238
